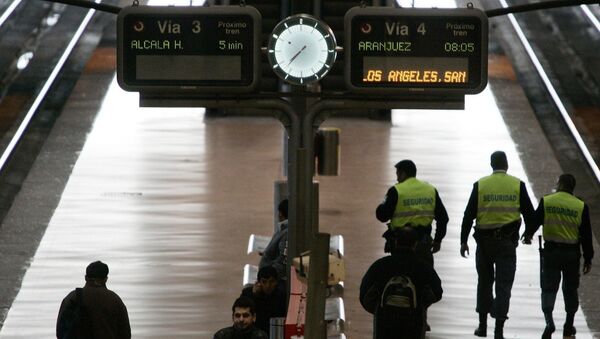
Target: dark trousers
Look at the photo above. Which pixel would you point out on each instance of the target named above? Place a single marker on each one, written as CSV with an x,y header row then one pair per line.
x,y
423,248
556,261
496,261
399,327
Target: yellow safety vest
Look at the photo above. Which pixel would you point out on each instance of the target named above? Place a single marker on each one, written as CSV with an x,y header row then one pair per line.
x,y
498,200
562,217
416,203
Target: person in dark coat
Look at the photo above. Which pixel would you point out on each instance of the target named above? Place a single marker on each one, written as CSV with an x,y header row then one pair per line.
x,y
243,314
268,294
275,254
402,262
106,314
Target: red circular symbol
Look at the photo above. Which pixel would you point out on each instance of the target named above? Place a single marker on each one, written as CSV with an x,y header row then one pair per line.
x,y
138,26
366,28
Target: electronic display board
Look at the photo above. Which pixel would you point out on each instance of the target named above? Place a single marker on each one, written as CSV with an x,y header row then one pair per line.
x,y
186,49
409,50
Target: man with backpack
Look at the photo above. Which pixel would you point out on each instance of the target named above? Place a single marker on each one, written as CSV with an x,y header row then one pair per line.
x,y
94,311
397,290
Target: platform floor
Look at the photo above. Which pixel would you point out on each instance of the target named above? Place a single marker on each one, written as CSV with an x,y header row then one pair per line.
x,y
168,200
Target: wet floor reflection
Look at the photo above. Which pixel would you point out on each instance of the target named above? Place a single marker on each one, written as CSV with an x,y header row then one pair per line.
x,y
168,200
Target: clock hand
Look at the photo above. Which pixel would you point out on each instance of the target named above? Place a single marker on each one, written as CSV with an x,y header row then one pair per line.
x,y
296,55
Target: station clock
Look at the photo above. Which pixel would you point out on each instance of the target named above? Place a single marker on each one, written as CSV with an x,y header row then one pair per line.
x,y
301,49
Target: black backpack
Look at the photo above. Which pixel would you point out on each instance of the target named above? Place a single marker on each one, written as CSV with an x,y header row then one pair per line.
x,y
399,297
75,321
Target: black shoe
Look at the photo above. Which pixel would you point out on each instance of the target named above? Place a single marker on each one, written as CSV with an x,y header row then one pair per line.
x,y
499,333
481,330
569,331
548,332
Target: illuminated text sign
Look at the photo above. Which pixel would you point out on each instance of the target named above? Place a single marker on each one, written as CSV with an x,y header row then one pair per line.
x,y
206,49
397,50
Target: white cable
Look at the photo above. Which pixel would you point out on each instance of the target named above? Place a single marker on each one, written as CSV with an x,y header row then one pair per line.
x,y
38,100
554,94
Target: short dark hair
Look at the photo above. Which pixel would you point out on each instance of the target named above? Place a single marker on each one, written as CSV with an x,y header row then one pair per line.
x,y
498,160
266,272
407,167
283,208
244,302
568,182
96,270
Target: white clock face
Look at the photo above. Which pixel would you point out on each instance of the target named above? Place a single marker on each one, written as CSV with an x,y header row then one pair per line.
x,y
301,49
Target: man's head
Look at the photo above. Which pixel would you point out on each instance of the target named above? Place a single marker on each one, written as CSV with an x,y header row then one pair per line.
x,y
498,161
243,313
96,272
405,238
566,183
267,278
405,169
282,208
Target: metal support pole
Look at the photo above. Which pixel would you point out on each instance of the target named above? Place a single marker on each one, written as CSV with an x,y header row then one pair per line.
x,y
303,232
317,281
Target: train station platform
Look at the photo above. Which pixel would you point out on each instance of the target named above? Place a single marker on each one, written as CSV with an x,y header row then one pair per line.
x,y
168,199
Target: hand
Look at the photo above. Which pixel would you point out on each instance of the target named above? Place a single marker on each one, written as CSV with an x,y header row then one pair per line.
x,y
587,268
435,246
526,239
464,248
296,55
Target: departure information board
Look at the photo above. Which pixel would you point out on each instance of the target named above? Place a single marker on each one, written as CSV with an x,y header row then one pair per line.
x,y
204,49
408,50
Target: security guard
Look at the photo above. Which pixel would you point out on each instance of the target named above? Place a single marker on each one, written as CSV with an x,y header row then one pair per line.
x,y
497,202
412,202
566,221
415,203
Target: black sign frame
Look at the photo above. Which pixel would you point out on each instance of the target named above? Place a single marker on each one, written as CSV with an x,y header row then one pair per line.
x,y
248,70
354,62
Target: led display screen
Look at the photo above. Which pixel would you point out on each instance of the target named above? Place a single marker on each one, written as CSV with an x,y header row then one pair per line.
x,y
203,48
416,50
